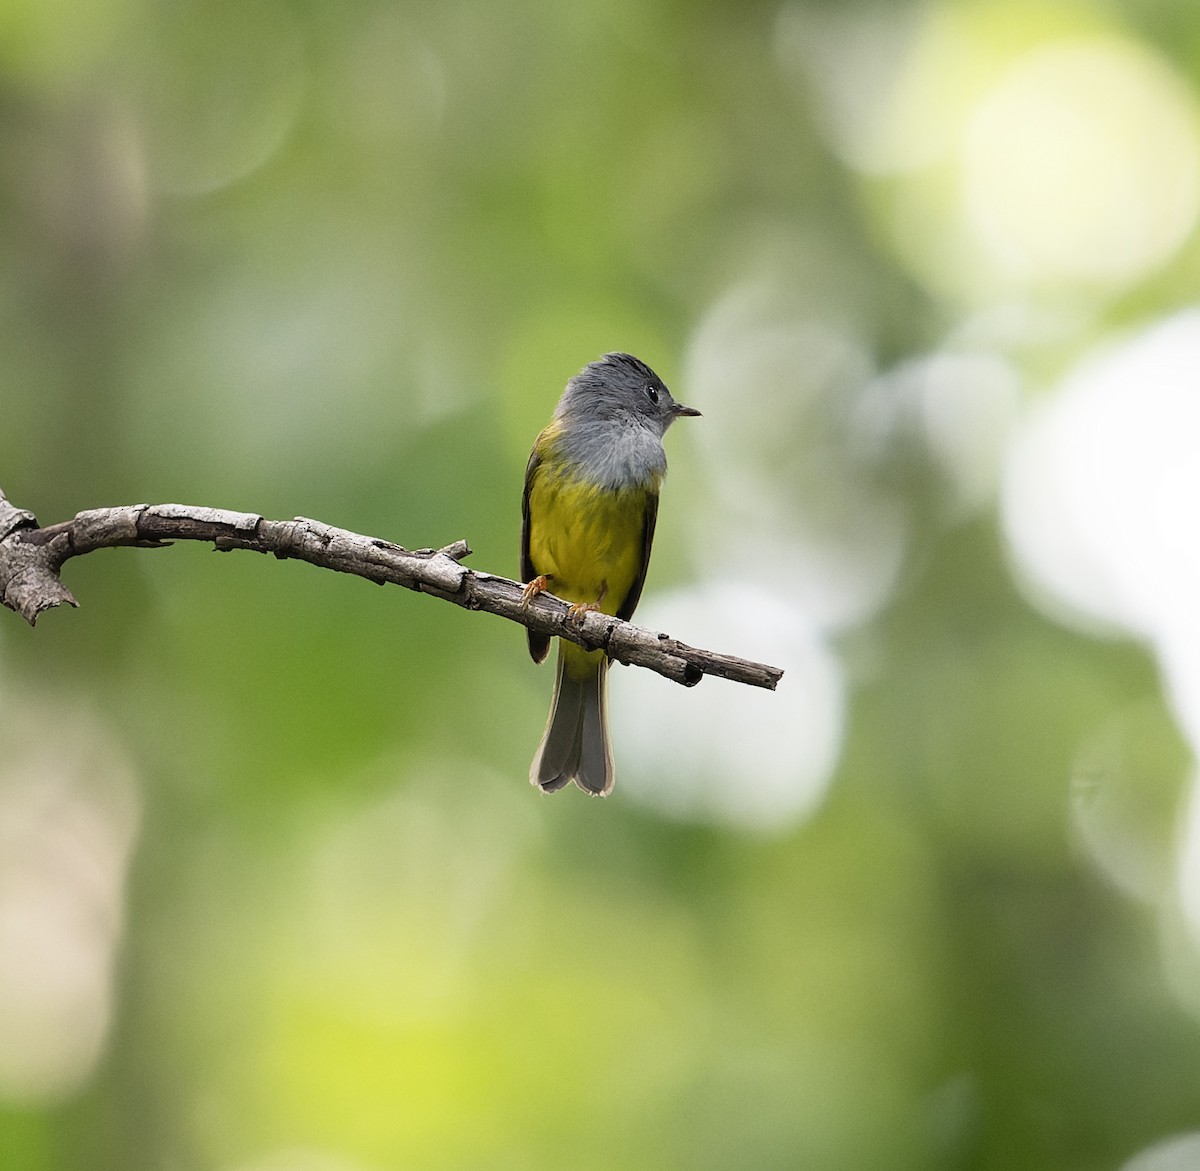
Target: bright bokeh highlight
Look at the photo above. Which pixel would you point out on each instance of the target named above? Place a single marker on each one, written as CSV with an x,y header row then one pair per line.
x,y
1082,164
726,755
1014,147
68,817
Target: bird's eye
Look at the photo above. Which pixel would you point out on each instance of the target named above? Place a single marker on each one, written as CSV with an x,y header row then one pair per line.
x,y
652,393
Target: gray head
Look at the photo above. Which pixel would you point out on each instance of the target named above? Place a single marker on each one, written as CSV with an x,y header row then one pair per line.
x,y
620,388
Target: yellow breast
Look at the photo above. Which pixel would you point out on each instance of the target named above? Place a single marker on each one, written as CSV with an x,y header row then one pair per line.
x,y
588,539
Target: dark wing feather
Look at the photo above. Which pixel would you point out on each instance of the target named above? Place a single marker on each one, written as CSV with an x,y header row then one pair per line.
x,y
649,519
539,644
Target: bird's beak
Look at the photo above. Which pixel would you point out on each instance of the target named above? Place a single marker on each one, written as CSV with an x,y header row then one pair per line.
x,y
680,409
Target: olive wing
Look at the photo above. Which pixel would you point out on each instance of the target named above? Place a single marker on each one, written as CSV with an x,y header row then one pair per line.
x,y
539,644
649,519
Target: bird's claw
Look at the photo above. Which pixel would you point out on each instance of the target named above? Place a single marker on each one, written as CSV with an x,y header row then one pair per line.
x,y
538,585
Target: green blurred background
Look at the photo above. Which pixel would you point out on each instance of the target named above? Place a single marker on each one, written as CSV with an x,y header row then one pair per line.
x,y
275,894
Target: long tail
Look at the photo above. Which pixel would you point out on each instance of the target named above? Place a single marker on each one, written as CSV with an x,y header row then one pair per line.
x,y
575,744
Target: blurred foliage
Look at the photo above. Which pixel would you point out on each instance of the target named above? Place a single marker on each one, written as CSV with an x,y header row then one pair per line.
x,y
306,914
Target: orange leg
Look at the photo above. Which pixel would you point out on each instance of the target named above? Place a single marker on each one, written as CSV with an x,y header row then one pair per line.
x,y
539,585
579,609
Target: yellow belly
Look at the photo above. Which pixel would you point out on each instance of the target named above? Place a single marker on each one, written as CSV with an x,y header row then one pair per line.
x,y
588,540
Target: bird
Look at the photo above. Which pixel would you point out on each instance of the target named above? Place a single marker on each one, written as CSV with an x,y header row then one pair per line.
x,y
587,525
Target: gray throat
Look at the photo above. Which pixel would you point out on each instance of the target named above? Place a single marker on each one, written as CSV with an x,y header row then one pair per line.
x,y
614,453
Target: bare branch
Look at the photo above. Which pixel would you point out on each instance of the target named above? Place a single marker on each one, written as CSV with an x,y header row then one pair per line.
x,y
32,557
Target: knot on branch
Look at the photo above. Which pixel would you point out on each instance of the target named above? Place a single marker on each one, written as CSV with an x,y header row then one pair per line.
x,y
13,518
288,537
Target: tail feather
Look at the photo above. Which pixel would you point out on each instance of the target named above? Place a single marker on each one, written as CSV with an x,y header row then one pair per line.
x,y
595,773
575,745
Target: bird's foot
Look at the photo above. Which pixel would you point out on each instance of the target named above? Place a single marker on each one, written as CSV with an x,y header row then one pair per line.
x,y
578,609
539,585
